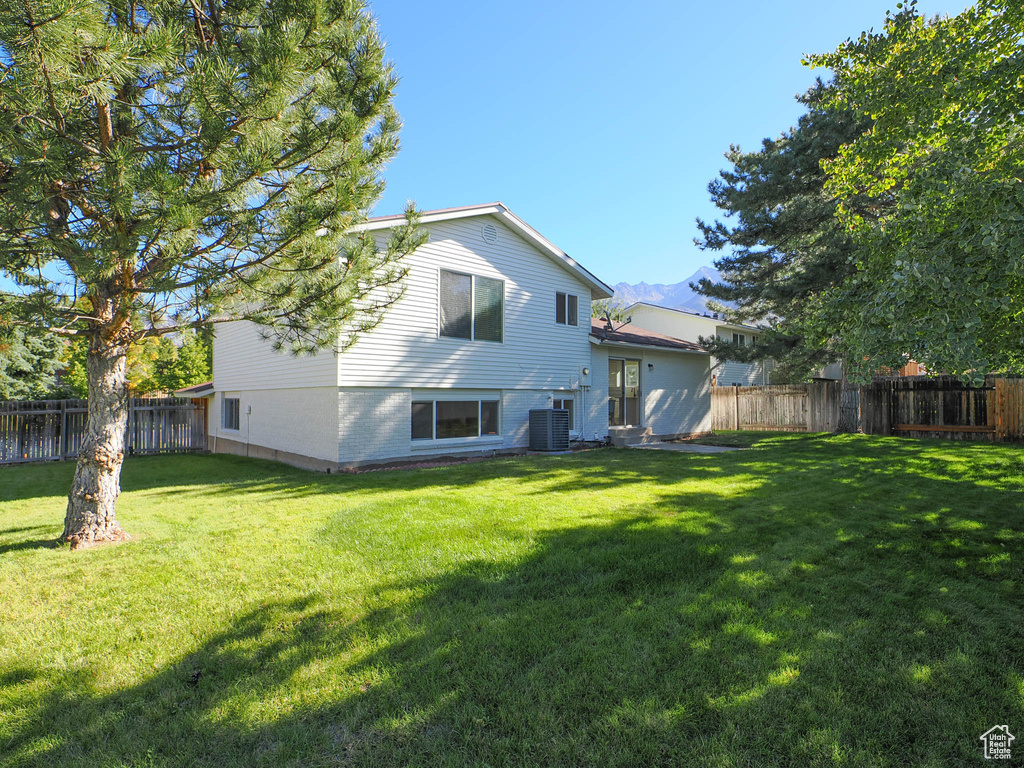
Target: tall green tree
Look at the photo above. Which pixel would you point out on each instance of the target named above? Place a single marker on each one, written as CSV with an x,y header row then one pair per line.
x,y
189,162
782,244
28,363
182,365
938,275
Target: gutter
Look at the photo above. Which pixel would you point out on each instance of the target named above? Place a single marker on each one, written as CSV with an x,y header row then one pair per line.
x,y
652,347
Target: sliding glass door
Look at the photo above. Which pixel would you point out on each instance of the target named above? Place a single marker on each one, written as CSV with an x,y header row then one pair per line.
x,y
624,393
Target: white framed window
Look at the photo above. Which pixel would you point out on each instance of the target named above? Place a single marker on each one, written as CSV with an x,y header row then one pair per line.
x,y
448,419
229,413
471,307
565,404
739,339
567,309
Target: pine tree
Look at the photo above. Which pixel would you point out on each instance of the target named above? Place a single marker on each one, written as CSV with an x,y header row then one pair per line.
x,y
28,364
189,162
784,244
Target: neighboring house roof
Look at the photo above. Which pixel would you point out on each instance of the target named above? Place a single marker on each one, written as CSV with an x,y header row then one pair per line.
x,y
517,225
718,320
631,335
196,390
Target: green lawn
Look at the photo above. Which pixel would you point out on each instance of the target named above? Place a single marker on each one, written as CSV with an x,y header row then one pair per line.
x,y
810,601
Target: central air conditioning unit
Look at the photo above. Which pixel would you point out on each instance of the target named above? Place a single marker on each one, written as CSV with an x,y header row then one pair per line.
x,y
549,430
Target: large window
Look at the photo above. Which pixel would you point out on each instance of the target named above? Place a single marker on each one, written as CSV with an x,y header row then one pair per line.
x,y
472,307
567,309
565,404
229,413
739,339
445,419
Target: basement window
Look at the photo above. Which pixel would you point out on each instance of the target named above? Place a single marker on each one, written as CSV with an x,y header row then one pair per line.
x,y
229,413
564,404
447,419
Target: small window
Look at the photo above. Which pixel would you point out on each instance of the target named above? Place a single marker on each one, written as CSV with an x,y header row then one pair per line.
x,y
567,309
739,339
564,404
472,307
230,413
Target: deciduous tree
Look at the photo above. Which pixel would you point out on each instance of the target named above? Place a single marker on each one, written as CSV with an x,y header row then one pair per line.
x,y
938,275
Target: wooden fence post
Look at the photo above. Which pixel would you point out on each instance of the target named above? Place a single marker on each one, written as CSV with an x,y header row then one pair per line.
x,y
736,407
63,429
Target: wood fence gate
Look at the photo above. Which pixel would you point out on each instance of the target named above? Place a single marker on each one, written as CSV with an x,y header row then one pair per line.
x,y
943,406
46,430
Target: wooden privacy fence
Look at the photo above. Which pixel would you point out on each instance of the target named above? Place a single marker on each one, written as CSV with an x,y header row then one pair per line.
x,y
815,407
943,406
45,430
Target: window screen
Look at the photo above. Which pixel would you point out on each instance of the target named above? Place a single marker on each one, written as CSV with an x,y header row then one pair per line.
x,y
489,417
456,305
229,418
560,308
460,418
488,314
423,421
572,309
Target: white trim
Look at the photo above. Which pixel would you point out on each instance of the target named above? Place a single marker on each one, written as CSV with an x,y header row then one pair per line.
x,y
456,442
601,289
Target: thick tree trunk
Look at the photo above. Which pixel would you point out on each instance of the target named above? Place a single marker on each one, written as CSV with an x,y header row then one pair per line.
x,y
90,516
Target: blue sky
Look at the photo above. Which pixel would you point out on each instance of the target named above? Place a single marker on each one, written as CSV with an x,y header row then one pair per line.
x,y
601,123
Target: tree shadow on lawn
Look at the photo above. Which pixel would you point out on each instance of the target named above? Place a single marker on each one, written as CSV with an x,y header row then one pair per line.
x,y
196,476
676,635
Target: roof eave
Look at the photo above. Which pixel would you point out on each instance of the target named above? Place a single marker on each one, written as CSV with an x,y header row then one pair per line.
x,y
656,347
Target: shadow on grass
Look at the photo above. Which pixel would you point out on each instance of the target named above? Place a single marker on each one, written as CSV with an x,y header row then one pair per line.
x,y
222,475
699,632
16,539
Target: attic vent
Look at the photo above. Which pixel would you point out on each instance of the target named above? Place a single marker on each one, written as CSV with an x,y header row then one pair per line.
x,y
490,233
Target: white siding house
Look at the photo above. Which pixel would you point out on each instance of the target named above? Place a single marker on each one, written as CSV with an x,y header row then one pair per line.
x,y
494,321
684,324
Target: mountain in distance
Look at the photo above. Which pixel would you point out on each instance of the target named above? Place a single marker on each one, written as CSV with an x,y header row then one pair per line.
x,y
676,296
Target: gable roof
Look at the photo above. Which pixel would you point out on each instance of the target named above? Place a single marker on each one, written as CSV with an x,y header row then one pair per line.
x,y
690,313
634,336
500,211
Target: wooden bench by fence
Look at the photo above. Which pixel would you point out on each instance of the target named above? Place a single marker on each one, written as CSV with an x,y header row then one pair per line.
x,y
47,430
943,406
